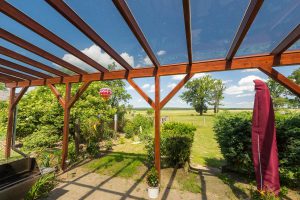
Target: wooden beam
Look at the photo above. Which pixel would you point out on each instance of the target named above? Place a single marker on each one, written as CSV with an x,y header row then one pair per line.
x,y
78,94
10,122
22,68
72,17
141,92
11,78
176,89
124,10
280,78
17,74
287,58
57,95
188,27
13,101
31,62
66,127
245,25
34,49
19,96
25,20
157,126
288,41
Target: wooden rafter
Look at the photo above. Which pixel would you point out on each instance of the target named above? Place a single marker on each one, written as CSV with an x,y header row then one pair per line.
x,y
141,92
19,96
16,74
133,25
187,24
176,89
72,17
22,68
25,20
288,41
30,61
11,78
78,93
57,95
34,49
280,78
287,58
245,25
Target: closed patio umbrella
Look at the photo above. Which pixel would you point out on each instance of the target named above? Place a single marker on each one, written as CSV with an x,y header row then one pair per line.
x,y
264,145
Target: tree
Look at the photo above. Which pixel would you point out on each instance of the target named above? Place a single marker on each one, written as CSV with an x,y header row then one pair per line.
x,y
198,93
281,96
2,86
217,94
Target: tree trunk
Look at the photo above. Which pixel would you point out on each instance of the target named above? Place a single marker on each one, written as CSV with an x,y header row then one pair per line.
x,y
215,108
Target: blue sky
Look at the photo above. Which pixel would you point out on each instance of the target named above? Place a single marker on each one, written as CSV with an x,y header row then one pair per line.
x,y
213,27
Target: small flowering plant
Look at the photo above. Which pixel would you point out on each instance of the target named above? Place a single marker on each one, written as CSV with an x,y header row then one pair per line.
x,y
152,178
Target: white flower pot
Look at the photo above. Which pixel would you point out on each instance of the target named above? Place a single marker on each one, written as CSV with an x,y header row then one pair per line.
x,y
153,192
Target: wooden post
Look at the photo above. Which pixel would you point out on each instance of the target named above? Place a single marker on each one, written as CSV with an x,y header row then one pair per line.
x,y
66,126
10,122
157,124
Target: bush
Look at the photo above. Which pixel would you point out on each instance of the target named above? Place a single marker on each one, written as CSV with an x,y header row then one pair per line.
x,y
233,131
138,125
92,148
72,152
43,138
108,145
42,187
175,146
152,178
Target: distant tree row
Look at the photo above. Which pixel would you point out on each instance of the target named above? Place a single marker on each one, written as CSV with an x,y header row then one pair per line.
x,y
203,92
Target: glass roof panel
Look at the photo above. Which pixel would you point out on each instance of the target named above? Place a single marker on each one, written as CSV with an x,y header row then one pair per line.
x,y
295,46
106,20
57,24
33,56
162,23
275,20
214,24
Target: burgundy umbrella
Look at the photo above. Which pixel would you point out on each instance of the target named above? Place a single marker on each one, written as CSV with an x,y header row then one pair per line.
x,y
264,145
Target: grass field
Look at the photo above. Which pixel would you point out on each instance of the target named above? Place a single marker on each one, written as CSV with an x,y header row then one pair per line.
x,y
205,150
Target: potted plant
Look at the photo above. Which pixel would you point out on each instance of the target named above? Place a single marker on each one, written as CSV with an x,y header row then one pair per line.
x,y
153,183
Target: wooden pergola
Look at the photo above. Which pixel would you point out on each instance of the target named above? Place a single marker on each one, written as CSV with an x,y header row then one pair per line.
x,y
17,76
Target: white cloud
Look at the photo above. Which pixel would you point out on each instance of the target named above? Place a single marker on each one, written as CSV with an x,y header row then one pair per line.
x,y
171,85
152,89
227,81
146,85
147,61
245,84
99,56
245,95
181,76
250,70
161,52
129,88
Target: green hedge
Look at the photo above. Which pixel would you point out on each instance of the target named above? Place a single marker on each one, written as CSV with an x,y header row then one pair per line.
x,y
175,146
233,131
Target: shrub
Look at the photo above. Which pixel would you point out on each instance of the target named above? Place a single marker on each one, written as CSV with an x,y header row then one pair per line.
x,y
92,148
72,152
175,146
152,178
138,125
42,187
233,131
108,145
43,138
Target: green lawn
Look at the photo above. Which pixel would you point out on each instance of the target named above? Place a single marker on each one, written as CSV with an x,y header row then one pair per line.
x,y
205,150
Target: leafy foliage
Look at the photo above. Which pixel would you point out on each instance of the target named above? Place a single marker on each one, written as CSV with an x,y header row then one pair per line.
x,y
139,125
203,91
175,146
234,136
152,178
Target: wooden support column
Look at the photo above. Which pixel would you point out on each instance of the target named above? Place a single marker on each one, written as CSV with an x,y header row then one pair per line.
x,y
157,125
13,101
67,104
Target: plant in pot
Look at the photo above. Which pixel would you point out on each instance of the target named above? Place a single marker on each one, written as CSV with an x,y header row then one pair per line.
x,y
153,183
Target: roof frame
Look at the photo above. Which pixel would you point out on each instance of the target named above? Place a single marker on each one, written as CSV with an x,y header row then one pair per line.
x,y
124,10
16,74
188,27
245,25
28,22
62,8
36,50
